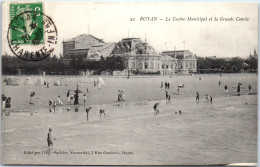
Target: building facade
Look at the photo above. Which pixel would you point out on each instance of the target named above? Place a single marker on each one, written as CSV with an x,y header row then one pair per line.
x,y
140,57
86,46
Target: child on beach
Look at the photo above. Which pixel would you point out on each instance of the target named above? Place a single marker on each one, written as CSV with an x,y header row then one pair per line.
x,y
87,110
197,96
249,88
207,98
68,96
50,138
32,98
59,102
54,106
226,89
85,100
155,107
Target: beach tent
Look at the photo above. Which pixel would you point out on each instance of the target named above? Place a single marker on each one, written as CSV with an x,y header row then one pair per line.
x,y
100,80
40,82
28,81
57,82
11,81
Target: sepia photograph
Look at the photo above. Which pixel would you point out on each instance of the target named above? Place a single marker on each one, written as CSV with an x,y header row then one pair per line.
x,y
129,83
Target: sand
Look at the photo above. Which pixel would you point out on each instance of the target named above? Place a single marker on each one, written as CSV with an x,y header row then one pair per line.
x,y
223,132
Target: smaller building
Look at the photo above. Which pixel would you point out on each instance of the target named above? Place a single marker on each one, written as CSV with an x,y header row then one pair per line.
x,y
86,46
185,61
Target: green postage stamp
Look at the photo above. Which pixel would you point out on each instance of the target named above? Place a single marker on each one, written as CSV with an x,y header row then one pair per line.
x,y
26,23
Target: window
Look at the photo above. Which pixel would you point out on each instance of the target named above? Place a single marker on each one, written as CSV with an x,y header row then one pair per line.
x,y
140,65
167,66
163,66
145,65
158,65
151,65
172,66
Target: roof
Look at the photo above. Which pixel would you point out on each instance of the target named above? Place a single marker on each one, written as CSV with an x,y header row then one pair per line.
x,y
79,37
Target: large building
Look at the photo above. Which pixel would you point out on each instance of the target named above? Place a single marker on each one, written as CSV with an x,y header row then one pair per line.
x,y
86,46
140,57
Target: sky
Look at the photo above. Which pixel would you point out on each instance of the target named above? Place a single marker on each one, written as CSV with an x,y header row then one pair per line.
x,y
110,21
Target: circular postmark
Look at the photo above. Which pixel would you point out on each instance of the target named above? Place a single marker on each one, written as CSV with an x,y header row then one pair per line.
x,y
32,35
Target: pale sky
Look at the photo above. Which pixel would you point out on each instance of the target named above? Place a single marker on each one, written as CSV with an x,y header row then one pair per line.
x,y
110,21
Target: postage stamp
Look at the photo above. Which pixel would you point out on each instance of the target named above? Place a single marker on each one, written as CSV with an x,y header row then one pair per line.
x,y
31,35
26,28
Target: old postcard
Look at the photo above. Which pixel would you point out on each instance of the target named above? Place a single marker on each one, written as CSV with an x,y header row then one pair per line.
x,y
129,83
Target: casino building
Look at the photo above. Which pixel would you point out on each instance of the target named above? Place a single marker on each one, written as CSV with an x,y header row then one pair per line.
x,y
140,57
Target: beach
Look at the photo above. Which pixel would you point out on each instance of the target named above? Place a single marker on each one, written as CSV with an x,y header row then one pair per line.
x,y
221,132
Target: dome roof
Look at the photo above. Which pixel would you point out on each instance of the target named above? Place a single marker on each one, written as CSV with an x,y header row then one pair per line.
x,y
133,46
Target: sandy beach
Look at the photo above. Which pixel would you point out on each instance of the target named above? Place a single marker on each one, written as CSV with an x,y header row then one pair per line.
x,y
223,132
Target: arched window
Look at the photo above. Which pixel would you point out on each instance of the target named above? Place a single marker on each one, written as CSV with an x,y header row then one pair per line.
x,y
133,65
151,65
140,66
145,65
190,66
193,65
172,66
167,66
163,66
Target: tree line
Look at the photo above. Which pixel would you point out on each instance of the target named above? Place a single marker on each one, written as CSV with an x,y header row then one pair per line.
x,y
231,65
12,65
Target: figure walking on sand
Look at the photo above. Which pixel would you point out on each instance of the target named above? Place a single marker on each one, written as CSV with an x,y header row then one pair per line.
x,y
32,98
197,96
85,99
226,89
249,88
238,89
156,110
50,138
59,102
68,96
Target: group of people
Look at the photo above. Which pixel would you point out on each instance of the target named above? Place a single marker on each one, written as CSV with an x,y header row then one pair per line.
x,y
165,84
121,96
6,102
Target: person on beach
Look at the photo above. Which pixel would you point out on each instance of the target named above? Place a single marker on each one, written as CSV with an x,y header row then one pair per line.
x,y
50,105
249,88
166,95
219,83
197,96
48,85
8,102
68,96
123,96
238,89
169,99
162,83
54,106
76,98
50,138
85,99
4,98
87,110
59,102
32,98
119,95
210,99
226,89
155,107
87,90
165,85
207,98
95,83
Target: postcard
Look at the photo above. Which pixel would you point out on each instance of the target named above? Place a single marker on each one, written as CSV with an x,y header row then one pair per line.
x,y
129,83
